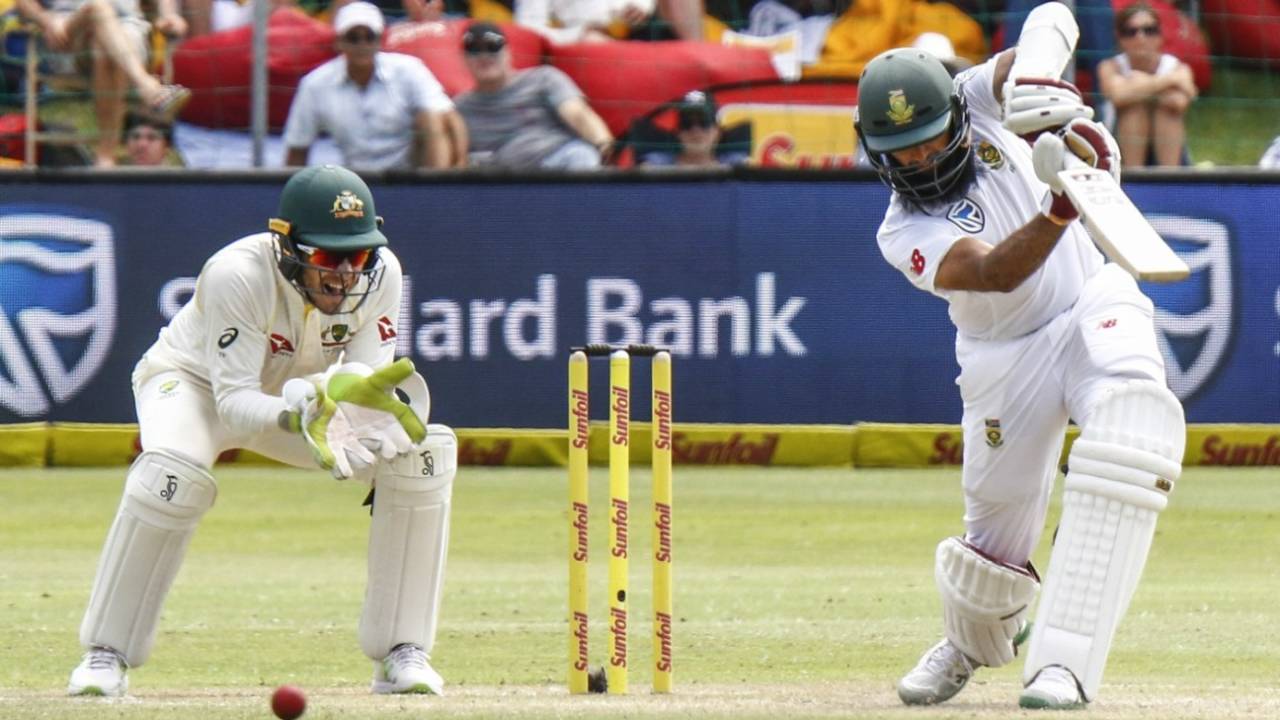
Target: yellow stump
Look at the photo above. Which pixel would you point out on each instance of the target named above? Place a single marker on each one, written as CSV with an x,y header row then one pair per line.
x,y
619,499
662,610
579,430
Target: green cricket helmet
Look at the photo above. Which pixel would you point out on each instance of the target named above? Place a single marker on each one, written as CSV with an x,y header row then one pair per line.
x,y
907,97
327,222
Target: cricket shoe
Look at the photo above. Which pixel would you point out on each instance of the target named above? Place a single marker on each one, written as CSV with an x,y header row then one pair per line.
x,y
1053,688
406,670
942,672
101,672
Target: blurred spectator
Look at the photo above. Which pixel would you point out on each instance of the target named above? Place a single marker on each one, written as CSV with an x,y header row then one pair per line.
x,y
148,142
109,41
697,137
1148,92
939,46
206,16
383,110
565,22
529,118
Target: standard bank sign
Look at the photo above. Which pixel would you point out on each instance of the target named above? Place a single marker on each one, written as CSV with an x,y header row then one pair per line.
x,y
57,306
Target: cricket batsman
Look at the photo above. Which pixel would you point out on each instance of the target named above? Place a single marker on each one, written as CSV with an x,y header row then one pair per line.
x,y
1046,332
286,349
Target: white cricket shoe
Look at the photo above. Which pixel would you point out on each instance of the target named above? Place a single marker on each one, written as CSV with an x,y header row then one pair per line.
x,y
1053,688
941,673
406,670
101,672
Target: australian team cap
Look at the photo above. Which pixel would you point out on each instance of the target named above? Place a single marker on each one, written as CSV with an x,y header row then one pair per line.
x,y
330,207
904,99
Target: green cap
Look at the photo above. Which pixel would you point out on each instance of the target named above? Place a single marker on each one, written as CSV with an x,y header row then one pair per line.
x,y
330,207
904,98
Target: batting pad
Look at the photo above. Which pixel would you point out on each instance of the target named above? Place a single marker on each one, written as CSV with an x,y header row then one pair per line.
x,y
1121,470
165,496
984,601
408,541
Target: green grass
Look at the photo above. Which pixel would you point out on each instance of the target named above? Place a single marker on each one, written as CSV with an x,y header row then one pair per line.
x,y
799,593
1235,122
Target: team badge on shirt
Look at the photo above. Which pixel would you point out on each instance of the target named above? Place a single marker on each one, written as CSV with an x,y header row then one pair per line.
x,y
967,216
334,335
994,438
990,155
348,205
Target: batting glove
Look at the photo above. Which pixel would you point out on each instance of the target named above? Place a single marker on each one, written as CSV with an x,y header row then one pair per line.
x,y
1080,142
1034,105
326,428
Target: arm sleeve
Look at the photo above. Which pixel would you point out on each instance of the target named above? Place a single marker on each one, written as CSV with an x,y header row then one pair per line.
x,y
916,244
558,86
427,92
374,342
977,84
301,128
235,347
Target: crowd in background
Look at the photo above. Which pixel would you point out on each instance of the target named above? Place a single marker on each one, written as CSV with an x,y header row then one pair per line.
x,y
372,109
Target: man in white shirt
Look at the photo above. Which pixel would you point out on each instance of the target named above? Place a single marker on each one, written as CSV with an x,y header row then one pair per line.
x,y
1046,331
275,353
383,110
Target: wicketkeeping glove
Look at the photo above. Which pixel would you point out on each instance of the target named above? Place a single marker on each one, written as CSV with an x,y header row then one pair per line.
x,y
377,416
1034,105
326,429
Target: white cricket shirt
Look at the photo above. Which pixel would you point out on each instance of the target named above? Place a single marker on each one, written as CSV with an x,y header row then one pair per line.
x,y
1005,196
247,330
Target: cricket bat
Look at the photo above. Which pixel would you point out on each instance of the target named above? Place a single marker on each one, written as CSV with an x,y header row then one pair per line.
x,y
1118,228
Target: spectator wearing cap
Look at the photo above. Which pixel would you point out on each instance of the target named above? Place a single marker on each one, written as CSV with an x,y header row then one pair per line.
x,y
148,142
526,118
383,110
697,136
1148,92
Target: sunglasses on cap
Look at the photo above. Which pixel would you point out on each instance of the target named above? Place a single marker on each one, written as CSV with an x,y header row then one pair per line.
x,y
333,259
1134,30
360,36
487,43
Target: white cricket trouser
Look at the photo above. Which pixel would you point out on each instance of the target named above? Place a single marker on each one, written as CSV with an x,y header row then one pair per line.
x,y
1018,395
177,412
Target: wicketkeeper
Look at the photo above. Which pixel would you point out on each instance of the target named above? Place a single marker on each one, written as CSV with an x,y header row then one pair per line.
x,y
286,349
1046,331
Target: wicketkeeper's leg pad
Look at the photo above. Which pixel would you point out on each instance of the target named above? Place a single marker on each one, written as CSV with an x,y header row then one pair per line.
x,y
165,495
984,601
1120,473
408,542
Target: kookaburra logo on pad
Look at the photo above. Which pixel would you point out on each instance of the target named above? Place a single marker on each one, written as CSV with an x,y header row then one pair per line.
x,y
348,205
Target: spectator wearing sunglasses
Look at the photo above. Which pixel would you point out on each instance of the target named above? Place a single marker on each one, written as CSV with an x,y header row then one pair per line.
x,y
697,140
1148,92
148,142
533,118
383,110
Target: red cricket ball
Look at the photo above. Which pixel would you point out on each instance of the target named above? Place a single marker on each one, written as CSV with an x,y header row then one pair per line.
x,y
288,702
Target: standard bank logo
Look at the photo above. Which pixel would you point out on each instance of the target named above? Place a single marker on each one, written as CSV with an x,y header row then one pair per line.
x,y
1194,318
57,307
